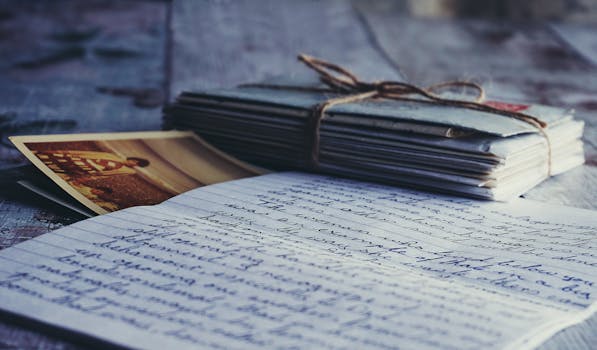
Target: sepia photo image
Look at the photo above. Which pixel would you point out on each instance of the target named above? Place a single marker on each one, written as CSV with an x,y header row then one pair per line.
x,y
108,172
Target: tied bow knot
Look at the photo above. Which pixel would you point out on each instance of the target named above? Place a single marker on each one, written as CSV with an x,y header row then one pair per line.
x,y
350,89
340,80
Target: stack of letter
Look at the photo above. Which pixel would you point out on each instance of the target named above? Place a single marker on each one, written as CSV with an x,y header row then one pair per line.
x,y
450,149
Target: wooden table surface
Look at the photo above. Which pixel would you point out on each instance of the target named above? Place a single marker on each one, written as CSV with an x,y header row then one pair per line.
x,y
97,66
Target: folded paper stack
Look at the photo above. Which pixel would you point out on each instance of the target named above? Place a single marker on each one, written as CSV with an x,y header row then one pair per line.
x,y
413,143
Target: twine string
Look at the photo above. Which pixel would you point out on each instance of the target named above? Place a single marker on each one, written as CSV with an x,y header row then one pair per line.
x,y
341,81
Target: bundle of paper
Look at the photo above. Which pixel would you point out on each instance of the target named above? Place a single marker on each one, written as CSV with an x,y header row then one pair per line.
x,y
105,172
418,144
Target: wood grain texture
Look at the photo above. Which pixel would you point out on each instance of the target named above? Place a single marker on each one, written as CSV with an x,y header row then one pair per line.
x,y
222,44
61,62
58,55
578,37
71,66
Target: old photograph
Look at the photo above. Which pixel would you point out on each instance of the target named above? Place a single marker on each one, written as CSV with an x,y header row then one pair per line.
x,y
108,172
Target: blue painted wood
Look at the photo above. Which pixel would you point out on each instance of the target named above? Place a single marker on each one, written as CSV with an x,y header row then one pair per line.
x,y
71,66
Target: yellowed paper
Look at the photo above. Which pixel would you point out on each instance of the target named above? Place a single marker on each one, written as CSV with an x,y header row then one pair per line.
x,y
112,171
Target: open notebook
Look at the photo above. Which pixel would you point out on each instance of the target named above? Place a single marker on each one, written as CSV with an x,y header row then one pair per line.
x,y
293,260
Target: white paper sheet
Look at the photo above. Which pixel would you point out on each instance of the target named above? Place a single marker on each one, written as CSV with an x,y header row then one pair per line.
x,y
292,260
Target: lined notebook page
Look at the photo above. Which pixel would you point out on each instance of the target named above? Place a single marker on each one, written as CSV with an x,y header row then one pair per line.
x,y
292,260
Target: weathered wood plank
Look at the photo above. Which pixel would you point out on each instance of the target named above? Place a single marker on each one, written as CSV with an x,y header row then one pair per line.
x,y
19,337
71,66
219,44
581,38
515,62
61,64
57,56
